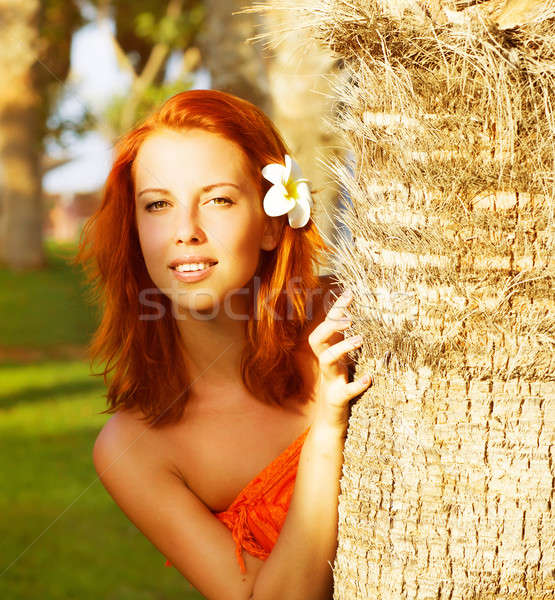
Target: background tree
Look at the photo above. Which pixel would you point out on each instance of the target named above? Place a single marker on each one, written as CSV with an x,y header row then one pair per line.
x,y
448,480
35,39
300,75
235,66
288,82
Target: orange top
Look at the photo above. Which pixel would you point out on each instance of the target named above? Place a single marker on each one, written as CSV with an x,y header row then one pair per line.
x,y
256,516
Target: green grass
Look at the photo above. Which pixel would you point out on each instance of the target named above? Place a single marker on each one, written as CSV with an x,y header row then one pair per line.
x,y
45,307
63,537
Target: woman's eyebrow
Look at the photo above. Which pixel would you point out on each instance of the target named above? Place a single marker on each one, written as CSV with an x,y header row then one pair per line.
x,y
206,188
147,190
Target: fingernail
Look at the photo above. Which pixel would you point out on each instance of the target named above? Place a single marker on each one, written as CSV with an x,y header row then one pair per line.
x,y
366,379
347,293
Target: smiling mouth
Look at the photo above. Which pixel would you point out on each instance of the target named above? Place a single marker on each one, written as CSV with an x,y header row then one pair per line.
x,y
210,264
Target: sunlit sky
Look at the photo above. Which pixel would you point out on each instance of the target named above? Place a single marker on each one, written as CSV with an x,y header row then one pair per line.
x,y
94,77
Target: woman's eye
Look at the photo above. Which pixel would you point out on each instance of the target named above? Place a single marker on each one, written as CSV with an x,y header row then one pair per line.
x,y
149,206
222,201
227,200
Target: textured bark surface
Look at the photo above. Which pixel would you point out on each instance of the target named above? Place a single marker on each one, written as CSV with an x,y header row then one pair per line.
x,y
20,177
449,474
447,491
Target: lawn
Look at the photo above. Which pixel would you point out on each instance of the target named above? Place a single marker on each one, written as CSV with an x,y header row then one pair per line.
x,y
45,309
62,535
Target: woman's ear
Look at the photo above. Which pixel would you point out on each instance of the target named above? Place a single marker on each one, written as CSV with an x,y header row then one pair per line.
x,y
272,230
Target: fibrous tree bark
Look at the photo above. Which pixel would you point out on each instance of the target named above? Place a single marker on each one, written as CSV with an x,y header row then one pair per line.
x,y
449,473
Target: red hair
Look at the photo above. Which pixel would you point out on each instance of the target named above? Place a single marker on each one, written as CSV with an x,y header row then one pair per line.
x,y
147,355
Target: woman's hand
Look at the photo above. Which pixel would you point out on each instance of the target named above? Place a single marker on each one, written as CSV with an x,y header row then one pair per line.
x,y
330,347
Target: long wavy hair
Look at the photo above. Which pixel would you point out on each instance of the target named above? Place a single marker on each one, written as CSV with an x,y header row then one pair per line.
x,y
146,354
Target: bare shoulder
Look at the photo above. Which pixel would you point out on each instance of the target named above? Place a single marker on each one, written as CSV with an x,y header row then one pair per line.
x,y
134,469
125,432
125,441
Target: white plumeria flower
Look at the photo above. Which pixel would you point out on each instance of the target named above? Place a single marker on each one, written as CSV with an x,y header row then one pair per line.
x,y
289,194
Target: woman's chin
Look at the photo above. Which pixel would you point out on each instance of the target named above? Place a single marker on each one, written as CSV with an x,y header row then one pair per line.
x,y
201,309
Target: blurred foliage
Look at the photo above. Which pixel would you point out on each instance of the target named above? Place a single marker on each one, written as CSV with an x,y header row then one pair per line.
x,y
140,27
58,127
140,24
176,32
153,96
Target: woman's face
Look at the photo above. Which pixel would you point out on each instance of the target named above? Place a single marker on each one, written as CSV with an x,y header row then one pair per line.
x,y
194,197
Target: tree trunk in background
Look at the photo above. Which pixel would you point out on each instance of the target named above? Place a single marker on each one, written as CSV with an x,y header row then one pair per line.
x,y
235,66
300,79
21,244
449,475
290,85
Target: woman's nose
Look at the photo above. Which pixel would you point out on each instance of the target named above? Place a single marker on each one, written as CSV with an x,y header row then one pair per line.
x,y
188,226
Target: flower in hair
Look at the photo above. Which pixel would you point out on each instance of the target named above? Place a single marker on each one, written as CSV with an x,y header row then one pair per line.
x,y
290,193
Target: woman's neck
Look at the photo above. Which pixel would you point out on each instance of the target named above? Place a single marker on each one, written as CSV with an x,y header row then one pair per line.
x,y
213,349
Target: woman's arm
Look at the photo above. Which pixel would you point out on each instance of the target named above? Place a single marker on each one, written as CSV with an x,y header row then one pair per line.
x,y
300,564
140,480
133,471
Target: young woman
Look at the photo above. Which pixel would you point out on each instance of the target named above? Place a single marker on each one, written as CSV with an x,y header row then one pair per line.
x,y
230,393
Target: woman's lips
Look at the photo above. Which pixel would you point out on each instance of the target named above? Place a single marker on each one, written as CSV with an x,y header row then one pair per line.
x,y
192,276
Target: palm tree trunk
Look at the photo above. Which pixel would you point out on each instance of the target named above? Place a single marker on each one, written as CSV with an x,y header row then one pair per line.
x,y
449,474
